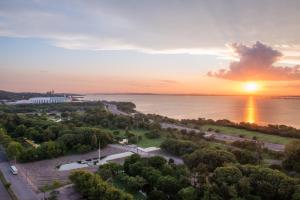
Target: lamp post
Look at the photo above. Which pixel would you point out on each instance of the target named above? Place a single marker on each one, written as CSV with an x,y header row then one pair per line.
x,y
99,152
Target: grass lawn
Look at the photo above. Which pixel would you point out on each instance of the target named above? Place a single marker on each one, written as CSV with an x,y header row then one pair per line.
x,y
249,134
119,185
144,142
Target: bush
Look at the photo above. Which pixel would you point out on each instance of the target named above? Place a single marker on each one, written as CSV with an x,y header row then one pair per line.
x,y
157,195
179,147
246,157
133,183
247,144
211,158
277,167
188,193
116,132
82,148
7,185
91,186
132,140
292,156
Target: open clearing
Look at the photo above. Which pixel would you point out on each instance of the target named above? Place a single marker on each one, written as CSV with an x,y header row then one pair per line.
x,y
249,134
144,142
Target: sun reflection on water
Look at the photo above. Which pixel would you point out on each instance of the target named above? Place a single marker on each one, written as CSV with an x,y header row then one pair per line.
x,y
250,110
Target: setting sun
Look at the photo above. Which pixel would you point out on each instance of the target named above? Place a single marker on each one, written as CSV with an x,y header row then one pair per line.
x,y
251,87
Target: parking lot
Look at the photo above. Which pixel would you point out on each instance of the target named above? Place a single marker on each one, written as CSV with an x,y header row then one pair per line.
x,y
41,173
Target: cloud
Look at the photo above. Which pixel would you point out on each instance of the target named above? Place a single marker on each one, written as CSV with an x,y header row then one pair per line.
x,y
158,27
165,81
257,63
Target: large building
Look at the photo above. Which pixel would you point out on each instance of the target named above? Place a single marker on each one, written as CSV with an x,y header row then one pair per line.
x,y
44,100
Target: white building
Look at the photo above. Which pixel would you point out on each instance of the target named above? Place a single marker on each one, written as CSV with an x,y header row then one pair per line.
x,y
44,100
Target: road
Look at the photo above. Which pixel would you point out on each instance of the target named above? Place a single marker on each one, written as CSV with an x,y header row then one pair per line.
x,y
224,137
3,192
218,136
18,184
114,109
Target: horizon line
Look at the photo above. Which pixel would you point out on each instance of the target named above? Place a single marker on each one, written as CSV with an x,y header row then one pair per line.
x,y
150,93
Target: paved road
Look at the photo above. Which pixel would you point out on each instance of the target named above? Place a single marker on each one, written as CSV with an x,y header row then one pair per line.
x,y
114,109
224,137
174,126
218,136
3,192
18,184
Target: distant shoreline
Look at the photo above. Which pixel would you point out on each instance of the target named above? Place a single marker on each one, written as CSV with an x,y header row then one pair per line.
x,y
165,94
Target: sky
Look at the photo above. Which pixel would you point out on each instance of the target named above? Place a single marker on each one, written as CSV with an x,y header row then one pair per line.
x,y
157,46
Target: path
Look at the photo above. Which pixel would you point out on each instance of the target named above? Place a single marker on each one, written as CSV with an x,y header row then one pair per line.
x,y
223,137
218,136
3,192
18,184
114,109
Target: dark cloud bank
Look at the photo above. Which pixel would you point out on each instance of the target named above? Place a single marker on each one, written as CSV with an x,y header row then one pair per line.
x,y
256,63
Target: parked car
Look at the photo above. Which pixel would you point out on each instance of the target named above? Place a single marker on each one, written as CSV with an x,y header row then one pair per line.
x,y
13,170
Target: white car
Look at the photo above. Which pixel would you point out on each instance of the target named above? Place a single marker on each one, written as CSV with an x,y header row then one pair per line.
x,y
13,170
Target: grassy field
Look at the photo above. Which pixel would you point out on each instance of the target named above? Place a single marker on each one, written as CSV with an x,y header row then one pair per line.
x,y
144,142
249,134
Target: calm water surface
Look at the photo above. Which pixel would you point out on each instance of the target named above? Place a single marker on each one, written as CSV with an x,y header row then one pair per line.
x,y
261,110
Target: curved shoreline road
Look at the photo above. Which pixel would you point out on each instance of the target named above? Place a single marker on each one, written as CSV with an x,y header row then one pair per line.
x,y
218,136
224,137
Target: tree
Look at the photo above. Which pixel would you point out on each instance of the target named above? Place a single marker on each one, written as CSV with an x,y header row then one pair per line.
x,y
209,157
52,195
269,184
14,150
296,195
20,131
168,184
157,162
49,149
4,138
91,186
133,183
228,175
109,170
179,147
152,134
131,160
157,195
94,141
188,193
292,156
246,156
33,134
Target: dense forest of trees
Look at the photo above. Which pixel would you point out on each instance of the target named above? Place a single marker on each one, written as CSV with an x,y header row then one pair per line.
x,y
224,178
81,128
211,170
92,186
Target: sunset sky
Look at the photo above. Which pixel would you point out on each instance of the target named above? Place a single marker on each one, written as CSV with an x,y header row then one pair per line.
x,y
157,46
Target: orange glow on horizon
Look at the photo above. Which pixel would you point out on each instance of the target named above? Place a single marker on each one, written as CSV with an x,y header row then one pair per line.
x,y
251,87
